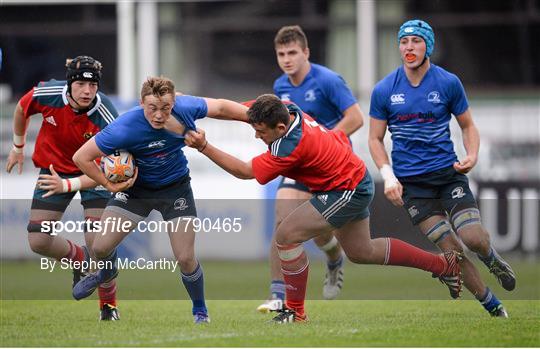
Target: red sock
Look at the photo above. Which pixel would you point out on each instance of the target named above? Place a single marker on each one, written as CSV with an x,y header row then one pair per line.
x,y
107,293
75,253
295,268
401,253
295,288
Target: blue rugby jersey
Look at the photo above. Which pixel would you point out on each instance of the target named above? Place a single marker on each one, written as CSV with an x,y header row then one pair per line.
x,y
158,153
323,94
419,118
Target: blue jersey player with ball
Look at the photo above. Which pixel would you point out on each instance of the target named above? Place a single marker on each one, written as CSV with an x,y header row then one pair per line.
x,y
154,134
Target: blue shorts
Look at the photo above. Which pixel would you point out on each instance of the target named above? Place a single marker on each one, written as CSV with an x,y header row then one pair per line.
x,y
90,198
340,207
172,201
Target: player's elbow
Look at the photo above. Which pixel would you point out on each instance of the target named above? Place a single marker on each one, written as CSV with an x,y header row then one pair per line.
x,y
471,130
359,122
354,125
244,174
373,142
244,171
221,110
355,116
78,158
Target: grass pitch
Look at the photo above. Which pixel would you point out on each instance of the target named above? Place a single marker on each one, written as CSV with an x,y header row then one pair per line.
x,y
235,323
388,307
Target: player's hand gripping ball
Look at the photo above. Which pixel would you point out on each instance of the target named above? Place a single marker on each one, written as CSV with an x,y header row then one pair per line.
x,y
118,167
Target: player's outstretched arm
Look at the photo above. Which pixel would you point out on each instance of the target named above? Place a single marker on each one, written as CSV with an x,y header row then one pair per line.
x,y
393,190
225,109
353,119
471,142
16,154
57,185
84,159
229,163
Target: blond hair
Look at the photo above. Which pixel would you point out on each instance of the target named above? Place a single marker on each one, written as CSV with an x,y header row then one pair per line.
x,y
157,86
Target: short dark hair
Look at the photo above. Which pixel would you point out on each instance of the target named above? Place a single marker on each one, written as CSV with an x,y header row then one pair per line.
x,y
157,86
290,34
270,110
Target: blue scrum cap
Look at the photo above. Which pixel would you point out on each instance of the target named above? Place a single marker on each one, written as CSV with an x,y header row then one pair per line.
x,y
419,28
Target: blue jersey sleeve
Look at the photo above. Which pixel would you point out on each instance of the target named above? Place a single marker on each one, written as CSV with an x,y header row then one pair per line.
x,y
278,85
458,103
377,106
116,136
187,109
338,93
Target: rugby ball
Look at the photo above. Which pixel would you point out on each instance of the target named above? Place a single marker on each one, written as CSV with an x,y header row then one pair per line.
x,y
118,167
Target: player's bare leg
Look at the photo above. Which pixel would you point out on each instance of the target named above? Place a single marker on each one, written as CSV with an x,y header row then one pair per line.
x,y
469,228
287,200
360,248
327,243
106,291
333,281
48,245
448,241
306,222
115,227
52,245
303,224
182,238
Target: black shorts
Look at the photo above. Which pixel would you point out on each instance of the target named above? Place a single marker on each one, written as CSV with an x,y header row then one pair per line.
x,y
90,198
172,201
292,183
440,192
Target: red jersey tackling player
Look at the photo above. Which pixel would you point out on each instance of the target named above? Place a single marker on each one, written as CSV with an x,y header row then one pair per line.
x,y
342,189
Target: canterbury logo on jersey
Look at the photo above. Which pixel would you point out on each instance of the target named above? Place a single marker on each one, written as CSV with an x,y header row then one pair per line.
x,y
157,144
398,98
50,120
122,197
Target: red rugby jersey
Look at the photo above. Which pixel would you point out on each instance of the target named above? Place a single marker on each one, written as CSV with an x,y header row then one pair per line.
x,y
321,159
63,131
